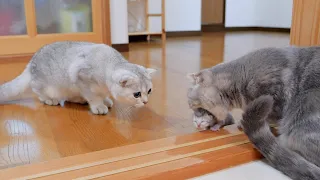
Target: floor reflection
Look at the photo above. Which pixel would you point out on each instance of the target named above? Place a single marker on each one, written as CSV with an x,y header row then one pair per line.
x,y
32,132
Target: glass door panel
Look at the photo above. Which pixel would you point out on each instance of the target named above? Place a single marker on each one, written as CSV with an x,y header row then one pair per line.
x,y
12,18
63,16
27,25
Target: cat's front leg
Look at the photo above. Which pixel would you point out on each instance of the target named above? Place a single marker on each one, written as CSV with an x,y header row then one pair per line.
x,y
99,109
88,90
97,105
108,101
95,102
217,126
220,124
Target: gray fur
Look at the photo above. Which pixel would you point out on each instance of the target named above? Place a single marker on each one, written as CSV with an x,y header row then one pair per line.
x,y
271,85
80,72
203,120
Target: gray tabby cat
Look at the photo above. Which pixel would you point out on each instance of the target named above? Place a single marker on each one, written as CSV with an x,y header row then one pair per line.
x,y
81,72
271,85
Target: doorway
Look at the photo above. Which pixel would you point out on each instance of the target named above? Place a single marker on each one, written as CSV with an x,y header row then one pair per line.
x,y
27,25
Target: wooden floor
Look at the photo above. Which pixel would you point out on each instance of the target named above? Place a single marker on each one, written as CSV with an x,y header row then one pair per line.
x,y
178,157
31,132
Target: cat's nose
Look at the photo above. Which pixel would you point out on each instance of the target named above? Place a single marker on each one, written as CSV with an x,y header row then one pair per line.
x,y
145,102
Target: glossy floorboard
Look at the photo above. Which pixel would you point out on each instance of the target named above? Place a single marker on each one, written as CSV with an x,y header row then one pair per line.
x,y
31,132
178,157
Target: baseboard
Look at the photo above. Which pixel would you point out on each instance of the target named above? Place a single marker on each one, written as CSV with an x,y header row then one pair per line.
x,y
220,27
183,33
121,47
143,38
212,28
267,29
140,38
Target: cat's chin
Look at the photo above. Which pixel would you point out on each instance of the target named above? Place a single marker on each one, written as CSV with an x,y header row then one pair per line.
x,y
138,105
203,129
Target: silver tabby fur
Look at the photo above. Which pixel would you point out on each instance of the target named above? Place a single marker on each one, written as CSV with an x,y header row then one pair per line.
x,y
81,72
271,85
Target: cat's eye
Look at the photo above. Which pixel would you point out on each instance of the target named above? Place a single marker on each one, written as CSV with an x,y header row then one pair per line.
x,y
137,94
149,91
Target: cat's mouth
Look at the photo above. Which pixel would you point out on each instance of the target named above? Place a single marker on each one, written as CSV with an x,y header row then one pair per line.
x,y
203,128
138,105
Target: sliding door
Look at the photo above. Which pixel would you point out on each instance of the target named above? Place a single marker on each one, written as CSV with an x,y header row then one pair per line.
x,y
27,25
305,28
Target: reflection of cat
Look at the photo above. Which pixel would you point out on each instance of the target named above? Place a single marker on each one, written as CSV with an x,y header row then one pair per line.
x,y
271,85
81,72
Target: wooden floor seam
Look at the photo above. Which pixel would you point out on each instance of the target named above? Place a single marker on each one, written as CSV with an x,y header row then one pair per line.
x,y
94,176
112,160
94,168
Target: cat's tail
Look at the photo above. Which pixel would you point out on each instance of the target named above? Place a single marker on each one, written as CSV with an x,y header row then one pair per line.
x,y
282,158
17,88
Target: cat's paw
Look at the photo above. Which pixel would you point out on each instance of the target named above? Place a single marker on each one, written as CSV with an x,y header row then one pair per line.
x,y
108,102
215,127
50,102
239,125
99,109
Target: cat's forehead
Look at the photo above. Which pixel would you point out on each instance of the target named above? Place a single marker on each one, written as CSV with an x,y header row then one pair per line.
x,y
142,84
193,91
196,89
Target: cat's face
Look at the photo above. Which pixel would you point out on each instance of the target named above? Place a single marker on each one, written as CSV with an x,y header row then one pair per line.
x,y
202,120
133,87
205,94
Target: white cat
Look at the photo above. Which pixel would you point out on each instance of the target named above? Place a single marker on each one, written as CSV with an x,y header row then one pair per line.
x,y
81,72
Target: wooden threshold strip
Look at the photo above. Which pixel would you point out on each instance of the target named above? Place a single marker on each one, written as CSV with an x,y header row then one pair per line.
x,y
94,176
132,158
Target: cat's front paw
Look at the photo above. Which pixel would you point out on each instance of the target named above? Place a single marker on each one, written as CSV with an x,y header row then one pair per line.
x,y
50,102
216,127
108,102
239,126
99,109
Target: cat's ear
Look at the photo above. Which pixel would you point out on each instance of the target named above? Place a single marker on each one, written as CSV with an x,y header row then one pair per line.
x,y
124,78
195,78
151,71
126,81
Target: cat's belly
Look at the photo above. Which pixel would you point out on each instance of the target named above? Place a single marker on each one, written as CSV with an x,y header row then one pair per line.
x,y
62,93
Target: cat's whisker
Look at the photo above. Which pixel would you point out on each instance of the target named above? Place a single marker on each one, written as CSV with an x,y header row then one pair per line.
x,y
125,113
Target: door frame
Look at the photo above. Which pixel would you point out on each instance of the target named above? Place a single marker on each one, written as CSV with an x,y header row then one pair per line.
x,y
29,43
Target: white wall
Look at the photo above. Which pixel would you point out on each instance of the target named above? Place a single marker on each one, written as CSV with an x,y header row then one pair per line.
x,y
183,15
261,13
119,21
240,13
274,13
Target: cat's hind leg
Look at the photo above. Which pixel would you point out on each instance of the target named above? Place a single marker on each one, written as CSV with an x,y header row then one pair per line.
x,y
50,102
50,98
306,142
